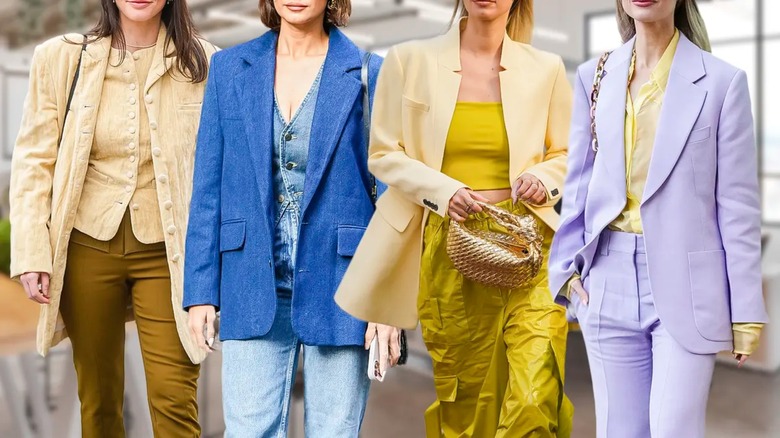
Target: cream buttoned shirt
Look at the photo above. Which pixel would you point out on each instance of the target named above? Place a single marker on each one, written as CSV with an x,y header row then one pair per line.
x,y
121,169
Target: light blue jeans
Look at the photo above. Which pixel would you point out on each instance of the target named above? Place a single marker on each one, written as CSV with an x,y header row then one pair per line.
x,y
258,377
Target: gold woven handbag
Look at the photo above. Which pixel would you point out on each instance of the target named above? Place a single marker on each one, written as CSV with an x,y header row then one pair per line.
x,y
503,260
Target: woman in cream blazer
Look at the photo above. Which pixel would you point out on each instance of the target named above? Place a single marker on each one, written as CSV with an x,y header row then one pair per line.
x,y
99,217
498,354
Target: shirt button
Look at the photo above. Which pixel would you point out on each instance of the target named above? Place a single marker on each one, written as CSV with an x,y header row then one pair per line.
x,y
280,198
132,87
131,115
136,207
130,175
163,178
168,205
148,99
153,125
171,230
136,56
131,146
132,130
290,166
288,136
157,152
132,101
128,189
132,158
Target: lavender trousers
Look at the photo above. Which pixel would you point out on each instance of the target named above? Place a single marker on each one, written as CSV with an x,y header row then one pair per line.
x,y
645,383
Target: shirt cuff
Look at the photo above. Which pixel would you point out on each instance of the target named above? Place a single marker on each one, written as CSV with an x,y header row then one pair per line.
x,y
566,290
746,336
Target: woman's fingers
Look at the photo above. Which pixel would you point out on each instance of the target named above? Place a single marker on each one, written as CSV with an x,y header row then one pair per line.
x,y
370,334
579,289
384,350
44,281
395,347
211,316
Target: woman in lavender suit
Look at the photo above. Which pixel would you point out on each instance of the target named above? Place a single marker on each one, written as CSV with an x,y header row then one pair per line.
x,y
659,245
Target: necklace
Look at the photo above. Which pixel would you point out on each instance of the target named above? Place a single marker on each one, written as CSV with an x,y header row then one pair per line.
x,y
141,47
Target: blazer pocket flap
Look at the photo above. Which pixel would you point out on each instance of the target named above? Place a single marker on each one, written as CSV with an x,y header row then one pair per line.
x,y
395,210
700,134
348,239
232,236
411,103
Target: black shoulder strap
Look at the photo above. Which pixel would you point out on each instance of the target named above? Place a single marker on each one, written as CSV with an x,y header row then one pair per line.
x,y
72,88
367,113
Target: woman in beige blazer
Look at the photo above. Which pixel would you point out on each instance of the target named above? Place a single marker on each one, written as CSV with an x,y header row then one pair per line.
x,y
474,115
99,203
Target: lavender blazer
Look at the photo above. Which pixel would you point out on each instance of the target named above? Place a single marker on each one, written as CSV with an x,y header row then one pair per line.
x,y
700,209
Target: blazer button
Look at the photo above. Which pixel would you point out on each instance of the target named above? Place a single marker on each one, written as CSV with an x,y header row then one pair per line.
x,y
135,207
149,98
172,230
176,258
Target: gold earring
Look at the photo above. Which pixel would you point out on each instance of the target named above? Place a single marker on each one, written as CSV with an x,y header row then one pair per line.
x,y
331,5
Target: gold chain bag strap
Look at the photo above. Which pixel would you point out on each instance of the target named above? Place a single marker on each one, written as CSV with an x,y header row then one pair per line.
x,y
594,98
504,260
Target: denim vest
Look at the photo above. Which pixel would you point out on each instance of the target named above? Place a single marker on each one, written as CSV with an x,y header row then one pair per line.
x,y
291,153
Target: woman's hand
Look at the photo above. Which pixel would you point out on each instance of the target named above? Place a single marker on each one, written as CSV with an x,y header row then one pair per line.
x,y
464,203
36,284
741,359
529,189
389,344
200,317
577,288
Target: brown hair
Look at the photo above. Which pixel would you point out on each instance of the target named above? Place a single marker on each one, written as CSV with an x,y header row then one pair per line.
x,y
336,15
520,25
190,56
687,19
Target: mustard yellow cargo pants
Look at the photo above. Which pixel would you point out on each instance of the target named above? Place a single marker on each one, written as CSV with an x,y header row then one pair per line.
x,y
498,355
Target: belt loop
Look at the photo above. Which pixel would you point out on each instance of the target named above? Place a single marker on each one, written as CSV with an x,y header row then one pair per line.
x,y
604,242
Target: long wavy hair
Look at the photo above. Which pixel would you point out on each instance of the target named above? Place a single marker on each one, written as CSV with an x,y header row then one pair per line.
x,y
687,19
190,56
520,25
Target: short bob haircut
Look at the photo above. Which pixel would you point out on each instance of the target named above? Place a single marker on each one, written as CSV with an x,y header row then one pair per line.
x,y
337,15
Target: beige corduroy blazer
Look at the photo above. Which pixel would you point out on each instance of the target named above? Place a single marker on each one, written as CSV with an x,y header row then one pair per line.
x,y
46,179
415,98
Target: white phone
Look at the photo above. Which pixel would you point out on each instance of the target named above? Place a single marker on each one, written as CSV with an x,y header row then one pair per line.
x,y
374,370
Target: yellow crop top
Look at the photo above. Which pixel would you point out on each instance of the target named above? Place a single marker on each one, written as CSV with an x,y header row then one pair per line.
x,y
477,149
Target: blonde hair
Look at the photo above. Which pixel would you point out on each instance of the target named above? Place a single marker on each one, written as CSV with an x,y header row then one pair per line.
x,y
687,19
520,25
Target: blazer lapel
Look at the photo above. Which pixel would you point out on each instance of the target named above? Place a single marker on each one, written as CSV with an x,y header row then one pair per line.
x,y
610,123
163,60
255,88
446,91
89,90
339,90
683,101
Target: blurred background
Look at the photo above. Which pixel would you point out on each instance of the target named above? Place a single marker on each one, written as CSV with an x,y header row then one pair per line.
x,y
37,396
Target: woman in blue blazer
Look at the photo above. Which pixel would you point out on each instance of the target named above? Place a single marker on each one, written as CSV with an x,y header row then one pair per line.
x,y
281,198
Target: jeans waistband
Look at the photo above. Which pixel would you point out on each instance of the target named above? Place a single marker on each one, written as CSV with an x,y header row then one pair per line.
x,y
618,241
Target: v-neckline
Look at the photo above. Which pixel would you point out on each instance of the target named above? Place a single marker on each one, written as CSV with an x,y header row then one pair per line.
x,y
303,102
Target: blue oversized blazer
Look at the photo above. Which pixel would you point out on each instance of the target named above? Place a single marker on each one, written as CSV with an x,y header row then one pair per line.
x,y
229,248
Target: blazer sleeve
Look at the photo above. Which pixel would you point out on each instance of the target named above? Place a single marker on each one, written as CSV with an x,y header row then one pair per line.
x,y
570,237
32,172
552,170
388,159
738,203
202,262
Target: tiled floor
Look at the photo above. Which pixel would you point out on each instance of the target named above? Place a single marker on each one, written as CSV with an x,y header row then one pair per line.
x,y
743,404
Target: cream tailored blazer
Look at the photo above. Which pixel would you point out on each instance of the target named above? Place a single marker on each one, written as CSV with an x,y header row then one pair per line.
x,y
47,178
414,102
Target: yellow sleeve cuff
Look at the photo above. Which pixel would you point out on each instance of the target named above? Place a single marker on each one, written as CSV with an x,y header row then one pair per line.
x,y
566,290
746,336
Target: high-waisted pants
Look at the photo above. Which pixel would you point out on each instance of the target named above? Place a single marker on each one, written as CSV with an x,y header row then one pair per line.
x,y
101,279
645,384
498,355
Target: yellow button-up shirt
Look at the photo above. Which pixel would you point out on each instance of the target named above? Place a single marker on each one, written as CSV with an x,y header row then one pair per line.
x,y
641,124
